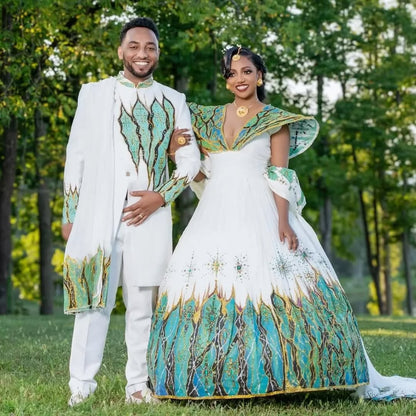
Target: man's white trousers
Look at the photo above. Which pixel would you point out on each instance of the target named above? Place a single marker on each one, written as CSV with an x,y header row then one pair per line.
x,y
90,330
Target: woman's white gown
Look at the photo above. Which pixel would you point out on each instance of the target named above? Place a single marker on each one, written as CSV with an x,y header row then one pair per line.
x,y
239,314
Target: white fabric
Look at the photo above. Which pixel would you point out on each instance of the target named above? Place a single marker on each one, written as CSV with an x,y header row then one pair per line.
x,y
289,190
90,329
236,224
90,154
237,217
384,387
198,187
96,165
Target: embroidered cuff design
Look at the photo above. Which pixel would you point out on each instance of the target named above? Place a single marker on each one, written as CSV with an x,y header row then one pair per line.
x,y
172,188
71,197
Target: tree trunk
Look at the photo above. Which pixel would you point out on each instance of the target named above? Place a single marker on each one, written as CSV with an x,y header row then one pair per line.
x,y
45,248
325,225
181,83
373,260
45,222
381,299
373,265
6,191
407,273
325,211
387,277
215,65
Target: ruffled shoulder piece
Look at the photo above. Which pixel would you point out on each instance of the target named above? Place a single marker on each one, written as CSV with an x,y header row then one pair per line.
x,y
303,129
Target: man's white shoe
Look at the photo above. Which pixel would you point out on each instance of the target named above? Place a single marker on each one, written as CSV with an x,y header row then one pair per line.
x,y
76,399
147,397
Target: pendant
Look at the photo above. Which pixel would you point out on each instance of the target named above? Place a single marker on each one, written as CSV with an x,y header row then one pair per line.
x,y
242,111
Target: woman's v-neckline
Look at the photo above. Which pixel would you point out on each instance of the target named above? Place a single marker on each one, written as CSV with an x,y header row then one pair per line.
x,y
234,140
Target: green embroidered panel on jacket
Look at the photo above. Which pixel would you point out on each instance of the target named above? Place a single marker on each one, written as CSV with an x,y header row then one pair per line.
x,y
71,197
147,132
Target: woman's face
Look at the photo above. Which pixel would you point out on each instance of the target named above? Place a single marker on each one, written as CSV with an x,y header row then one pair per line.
x,y
243,78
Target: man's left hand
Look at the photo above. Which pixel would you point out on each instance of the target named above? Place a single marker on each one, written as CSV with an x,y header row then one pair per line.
x,y
138,212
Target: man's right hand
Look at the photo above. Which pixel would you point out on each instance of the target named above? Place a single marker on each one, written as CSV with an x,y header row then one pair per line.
x,y
66,230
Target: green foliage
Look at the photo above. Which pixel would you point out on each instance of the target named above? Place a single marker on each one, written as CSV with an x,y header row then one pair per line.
x,y
366,142
26,272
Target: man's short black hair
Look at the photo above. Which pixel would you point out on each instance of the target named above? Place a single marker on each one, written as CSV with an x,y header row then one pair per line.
x,y
139,22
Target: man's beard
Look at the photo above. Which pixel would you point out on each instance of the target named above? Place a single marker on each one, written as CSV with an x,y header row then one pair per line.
x,y
140,75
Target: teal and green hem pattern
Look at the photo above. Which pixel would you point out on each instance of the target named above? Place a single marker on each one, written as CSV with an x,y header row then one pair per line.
x,y
219,349
85,282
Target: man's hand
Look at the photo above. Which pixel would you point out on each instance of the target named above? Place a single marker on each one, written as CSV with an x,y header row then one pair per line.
x,y
66,230
138,212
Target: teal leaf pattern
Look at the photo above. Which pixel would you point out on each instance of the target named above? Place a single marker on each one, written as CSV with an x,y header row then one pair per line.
x,y
71,198
218,350
207,122
147,132
86,282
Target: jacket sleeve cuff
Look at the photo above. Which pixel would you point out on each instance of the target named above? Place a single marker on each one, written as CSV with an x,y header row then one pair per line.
x,y
71,197
172,188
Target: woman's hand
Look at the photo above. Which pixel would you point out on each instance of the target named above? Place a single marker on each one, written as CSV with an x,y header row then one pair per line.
x,y
286,233
179,138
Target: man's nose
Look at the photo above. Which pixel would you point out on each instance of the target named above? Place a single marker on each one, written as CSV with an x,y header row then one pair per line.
x,y
141,52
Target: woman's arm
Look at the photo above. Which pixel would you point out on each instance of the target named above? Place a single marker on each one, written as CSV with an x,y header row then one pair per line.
x,y
178,139
176,143
279,143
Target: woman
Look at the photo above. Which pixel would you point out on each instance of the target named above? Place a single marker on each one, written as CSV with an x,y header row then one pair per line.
x,y
250,305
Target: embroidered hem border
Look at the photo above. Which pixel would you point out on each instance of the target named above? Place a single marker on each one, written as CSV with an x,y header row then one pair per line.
x,y
85,282
293,390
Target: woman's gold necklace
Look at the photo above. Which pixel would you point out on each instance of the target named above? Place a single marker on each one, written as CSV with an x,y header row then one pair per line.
x,y
243,110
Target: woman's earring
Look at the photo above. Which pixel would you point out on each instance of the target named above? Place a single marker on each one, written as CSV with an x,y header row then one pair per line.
x,y
227,86
259,82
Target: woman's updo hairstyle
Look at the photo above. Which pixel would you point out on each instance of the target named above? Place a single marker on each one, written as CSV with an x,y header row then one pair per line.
x,y
254,58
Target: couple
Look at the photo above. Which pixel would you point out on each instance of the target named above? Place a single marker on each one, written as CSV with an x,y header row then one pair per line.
x,y
249,305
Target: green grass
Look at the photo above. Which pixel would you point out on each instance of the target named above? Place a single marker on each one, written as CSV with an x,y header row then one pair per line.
x,y
34,353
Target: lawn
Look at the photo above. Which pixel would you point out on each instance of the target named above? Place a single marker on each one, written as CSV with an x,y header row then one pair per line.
x,y
34,353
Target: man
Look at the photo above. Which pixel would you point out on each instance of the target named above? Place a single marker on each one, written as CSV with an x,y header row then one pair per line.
x,y
116,216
